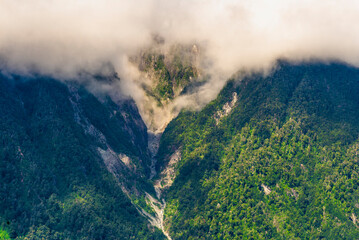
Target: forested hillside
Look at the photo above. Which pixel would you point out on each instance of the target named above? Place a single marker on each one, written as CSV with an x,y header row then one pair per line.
x,y
273,157
59,174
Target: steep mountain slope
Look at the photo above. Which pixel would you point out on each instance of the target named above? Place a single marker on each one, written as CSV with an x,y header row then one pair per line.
x,y
66,161
271,157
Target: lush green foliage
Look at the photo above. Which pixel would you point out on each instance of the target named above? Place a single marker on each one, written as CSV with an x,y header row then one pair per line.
x,y
294,132
53,184
4,235
282,165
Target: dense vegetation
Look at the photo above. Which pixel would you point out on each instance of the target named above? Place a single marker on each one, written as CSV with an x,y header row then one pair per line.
x,y
53,184
282,165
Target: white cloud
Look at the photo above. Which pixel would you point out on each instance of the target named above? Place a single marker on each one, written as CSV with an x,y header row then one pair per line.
x,y
63,38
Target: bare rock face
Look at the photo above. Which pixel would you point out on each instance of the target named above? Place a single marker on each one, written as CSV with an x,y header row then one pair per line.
x,y
266,189
226,109
168,173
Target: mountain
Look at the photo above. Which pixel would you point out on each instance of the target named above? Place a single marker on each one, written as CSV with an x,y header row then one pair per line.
x,y
274,156
68,163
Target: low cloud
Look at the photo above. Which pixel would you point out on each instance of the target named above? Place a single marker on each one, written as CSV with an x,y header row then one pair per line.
x,y
66,38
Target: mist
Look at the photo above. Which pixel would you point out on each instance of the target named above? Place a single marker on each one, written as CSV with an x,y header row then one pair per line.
x,y
65,39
